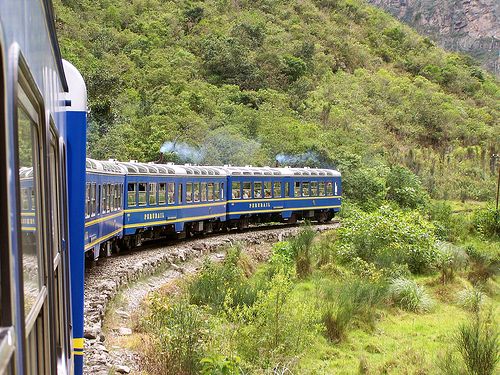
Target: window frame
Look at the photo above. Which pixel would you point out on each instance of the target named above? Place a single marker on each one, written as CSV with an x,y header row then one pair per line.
x,y
134,184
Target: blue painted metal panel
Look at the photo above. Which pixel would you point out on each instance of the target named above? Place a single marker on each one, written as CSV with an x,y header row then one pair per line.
x,y
76,146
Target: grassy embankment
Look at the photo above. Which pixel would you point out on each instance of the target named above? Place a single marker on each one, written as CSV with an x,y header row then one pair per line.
x,y
383,294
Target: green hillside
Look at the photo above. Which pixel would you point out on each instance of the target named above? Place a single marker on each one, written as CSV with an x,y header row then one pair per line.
x,y
325,82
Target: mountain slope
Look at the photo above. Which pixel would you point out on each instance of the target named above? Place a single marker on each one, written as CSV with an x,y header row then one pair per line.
x,y
471,26
316,82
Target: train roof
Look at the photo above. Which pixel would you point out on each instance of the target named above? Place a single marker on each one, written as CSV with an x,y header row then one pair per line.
x,y
136,168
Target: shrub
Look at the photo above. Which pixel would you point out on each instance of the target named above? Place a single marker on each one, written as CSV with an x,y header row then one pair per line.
x,y
301,250
348,301
365,186
220,365
180,333
487,223
410,296
471,299
282,256
484,264
478,343
440,215
277,327
212,285
405,188
450,259
388,237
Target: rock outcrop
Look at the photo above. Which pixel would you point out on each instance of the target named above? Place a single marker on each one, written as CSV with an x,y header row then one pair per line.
x,y
470,26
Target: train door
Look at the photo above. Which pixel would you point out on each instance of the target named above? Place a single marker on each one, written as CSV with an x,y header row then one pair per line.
x,y
58,263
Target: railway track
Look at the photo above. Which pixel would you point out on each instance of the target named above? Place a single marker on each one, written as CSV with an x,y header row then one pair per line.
x,y
109,275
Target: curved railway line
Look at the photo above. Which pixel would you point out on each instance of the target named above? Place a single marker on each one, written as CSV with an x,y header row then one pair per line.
x,y
111,275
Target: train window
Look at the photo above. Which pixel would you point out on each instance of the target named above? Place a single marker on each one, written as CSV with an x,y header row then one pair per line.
x,y
236,186
117,199
322,189
142,193
180,193
131,195
93,205
29,159
305,189
152,194
189,192
99,195
216,191
24,200
162,193
210,191
203,191
257,190
196,191
104,198
297,189
87,199
277,189
329,188
314,189
287,189
222,191
121,196
247,190
268,189
109,198
171,193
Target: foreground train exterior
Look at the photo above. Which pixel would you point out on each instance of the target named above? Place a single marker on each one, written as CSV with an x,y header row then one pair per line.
x,y
59,207
42,146
126,203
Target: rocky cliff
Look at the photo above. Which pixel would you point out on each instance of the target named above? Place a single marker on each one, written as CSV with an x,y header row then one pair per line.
x,y
471,26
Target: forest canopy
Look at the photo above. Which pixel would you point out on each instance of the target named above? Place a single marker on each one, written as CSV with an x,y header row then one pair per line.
x,y
314,82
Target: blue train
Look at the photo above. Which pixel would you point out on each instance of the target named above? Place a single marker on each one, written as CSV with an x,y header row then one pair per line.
x,y
127,203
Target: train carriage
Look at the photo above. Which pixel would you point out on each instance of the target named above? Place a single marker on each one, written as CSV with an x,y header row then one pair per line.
x,y
164,199
104,192
281,194
40,93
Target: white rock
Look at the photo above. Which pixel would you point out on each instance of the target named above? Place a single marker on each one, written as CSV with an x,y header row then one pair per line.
x,y
124,331
122,369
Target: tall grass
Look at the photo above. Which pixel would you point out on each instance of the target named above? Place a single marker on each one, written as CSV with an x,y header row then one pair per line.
x,y
410,296
301,249
478,343
348,301
450,259
179,336
471,299
215,281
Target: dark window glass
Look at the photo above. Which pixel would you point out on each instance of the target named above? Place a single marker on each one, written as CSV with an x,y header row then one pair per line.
x,y
257,190
162,193
247,190
142,193
268,193
152,194
297,189
189,192
277,189
131,195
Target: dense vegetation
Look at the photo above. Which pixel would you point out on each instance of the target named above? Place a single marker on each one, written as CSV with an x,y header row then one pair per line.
x,y
317,82
343,302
